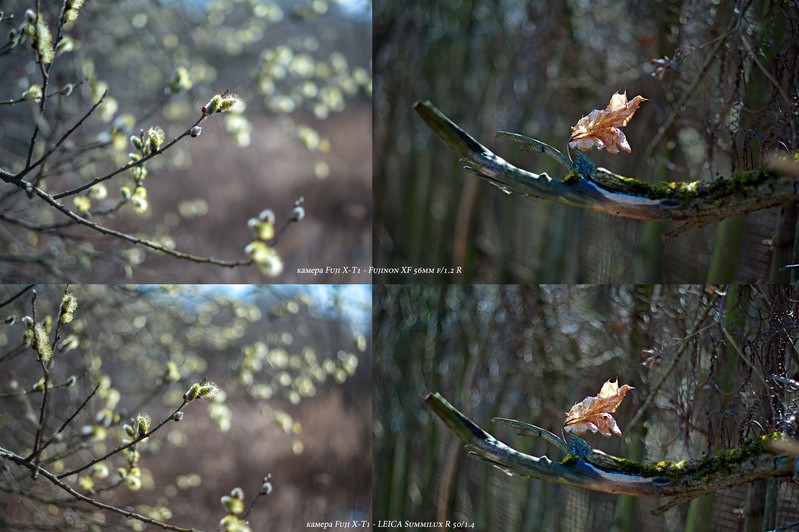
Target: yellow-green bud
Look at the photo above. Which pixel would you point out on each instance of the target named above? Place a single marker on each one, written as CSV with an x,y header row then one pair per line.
x,y
142,424
156,136
41,343
261,229
68,306
212,106
191,394
234,505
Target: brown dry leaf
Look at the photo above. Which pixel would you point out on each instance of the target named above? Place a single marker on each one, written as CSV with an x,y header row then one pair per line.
x,y
600,129
594,413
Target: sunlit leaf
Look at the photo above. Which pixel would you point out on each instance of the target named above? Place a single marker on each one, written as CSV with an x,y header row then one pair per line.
x,y
600,129
594,412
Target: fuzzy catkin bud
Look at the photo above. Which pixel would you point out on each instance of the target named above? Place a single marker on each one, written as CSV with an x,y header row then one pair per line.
x,y
192,392
156,136
266,487
68,306
142,424
233,504
297,214
213,105
71,9
41,343
267,215
43,42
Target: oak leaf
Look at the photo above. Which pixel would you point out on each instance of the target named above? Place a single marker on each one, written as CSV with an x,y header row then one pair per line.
x,y
594,413
600,129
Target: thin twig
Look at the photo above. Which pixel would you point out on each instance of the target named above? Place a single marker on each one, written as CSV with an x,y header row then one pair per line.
x,y
132,164
66,423
677,356
525,429
69,382
51,228
64,486
135,240
712,56
63,138
45,72
15,296
260,493
734,345
125,446
45,395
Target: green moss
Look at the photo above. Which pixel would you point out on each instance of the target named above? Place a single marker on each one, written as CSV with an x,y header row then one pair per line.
x,y
716,190
721,461
571,178
727,460
569,460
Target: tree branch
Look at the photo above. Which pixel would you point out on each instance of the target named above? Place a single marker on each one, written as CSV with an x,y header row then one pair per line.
x,y
598,189
587,468
65,424
135,240
63,138
64,486
128,445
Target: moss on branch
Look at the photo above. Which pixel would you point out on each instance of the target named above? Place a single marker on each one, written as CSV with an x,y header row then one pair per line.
x,y
692,203
587,468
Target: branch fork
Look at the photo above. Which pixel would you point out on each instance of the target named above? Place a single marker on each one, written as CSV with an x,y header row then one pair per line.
x,y
587,186
585,467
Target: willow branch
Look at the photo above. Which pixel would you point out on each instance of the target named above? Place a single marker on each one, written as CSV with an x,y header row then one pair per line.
x,y
598,189
63,138
65,424
132,239
64,486
587,468
128,445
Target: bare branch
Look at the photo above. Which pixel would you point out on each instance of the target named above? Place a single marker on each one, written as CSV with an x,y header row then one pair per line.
x,y
64,486
15,296
63,138
135,240
695,328
587,468
66,423
132,164
598,189
525,429
126,446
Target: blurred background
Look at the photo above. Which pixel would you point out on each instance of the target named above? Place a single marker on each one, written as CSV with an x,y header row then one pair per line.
x,y
294,365
303,70
530,353
535,68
